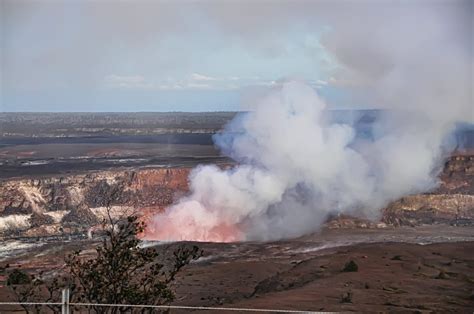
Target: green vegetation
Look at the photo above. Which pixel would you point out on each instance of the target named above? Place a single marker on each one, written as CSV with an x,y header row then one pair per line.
x,y
350,266
120,272
396,258
18,277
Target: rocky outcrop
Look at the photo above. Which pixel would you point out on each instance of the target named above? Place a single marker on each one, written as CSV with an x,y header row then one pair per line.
x,y
80,216
79,199
458,176
455,209
37,220
452,202
137,188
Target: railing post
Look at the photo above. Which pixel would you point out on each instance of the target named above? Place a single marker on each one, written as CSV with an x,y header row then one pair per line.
x,y
65,301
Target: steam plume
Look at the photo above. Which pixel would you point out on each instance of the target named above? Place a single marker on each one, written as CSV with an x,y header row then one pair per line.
x,y
296,166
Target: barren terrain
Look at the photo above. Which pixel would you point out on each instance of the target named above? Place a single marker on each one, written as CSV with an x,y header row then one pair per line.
x,y
403,269
415,257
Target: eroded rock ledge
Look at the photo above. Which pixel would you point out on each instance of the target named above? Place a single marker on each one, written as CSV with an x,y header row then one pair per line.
x,y
58,204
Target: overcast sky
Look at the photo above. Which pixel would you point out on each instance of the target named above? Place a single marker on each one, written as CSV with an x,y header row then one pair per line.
x,y
142,55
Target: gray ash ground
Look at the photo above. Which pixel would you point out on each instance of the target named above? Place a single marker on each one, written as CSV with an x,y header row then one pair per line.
x,y
21,157
404,269
427,268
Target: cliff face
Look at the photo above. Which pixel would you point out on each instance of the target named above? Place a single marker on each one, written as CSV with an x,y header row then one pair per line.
x,y
458,176
455,209
140,188
73,203
452,202
25,202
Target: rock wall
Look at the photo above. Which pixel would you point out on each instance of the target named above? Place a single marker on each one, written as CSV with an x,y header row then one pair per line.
x,y
25,201
455,209
38,206
138,188
452,202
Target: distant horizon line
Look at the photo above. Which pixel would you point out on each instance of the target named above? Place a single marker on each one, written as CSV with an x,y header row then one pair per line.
x,y
177,111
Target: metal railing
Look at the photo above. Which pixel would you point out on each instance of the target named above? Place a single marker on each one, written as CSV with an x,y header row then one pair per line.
x,y
66,306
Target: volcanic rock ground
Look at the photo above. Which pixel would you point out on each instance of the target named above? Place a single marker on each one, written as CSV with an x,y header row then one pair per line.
x,y
39,206
405,269
416,258
53,190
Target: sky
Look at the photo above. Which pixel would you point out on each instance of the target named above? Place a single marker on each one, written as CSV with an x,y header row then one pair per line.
x,y
211,55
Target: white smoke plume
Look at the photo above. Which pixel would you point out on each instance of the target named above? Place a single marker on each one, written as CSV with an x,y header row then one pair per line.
x,y
295,165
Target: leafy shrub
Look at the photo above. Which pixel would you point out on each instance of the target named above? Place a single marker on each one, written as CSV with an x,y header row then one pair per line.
x,y
350,266
18,277
121,272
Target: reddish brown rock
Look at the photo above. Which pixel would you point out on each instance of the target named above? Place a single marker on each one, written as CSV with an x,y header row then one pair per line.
x,y
149,190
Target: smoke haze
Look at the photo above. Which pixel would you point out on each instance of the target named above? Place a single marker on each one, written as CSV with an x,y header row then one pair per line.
x,y
295,166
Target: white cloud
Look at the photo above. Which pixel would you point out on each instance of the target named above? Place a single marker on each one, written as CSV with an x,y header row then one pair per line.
x,y
194,81
169,87
321,82
200,77
127,82
199,86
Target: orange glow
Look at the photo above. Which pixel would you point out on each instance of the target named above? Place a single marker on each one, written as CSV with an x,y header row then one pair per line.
x,y
163,229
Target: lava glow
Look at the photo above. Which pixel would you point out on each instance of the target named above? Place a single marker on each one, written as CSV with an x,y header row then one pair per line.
x,y
295,165
166,228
